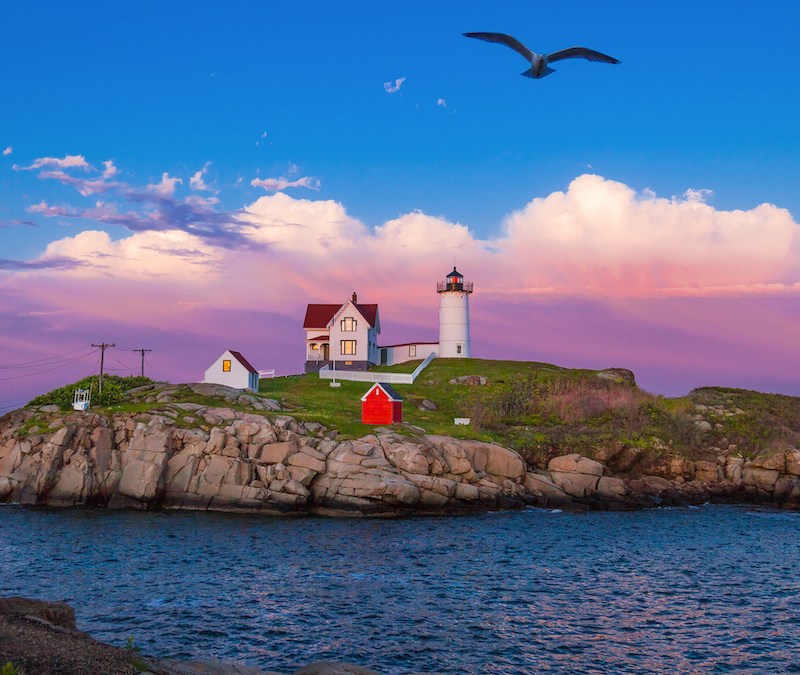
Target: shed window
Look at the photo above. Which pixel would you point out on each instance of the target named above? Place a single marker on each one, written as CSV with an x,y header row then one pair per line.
x,y
349,324
412,350
226,365
348,346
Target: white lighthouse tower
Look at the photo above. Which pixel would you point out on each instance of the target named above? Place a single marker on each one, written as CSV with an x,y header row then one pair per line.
x,y
454,316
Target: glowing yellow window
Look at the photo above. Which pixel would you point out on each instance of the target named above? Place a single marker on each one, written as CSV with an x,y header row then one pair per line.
x,y
226,366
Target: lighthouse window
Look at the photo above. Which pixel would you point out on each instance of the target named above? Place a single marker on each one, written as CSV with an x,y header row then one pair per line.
x,y
348,347
458,349
349,324
412,350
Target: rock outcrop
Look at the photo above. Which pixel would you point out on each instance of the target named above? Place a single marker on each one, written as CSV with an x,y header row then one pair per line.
x,y
191,456
237,461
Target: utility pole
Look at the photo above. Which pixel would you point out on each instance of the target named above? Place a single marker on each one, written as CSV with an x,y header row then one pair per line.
x,y
102,347
142,351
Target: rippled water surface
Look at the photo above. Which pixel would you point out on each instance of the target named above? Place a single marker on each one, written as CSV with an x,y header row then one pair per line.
x,y
713,589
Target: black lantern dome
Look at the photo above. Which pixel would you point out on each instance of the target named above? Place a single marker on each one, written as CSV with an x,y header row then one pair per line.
x,y
454,282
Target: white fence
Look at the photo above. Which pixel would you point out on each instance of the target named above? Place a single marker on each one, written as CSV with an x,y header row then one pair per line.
x,y
326,373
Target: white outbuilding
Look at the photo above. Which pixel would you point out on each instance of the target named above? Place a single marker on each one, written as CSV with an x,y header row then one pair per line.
x,y
232,370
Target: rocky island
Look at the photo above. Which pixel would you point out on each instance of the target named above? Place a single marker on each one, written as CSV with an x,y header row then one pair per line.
x,y
208,447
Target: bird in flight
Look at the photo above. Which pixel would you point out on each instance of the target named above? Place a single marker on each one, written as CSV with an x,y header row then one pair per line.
x,y
539,62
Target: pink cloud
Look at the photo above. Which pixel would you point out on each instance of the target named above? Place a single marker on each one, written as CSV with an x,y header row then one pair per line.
x,y
596,276
66,162
281,183
166,186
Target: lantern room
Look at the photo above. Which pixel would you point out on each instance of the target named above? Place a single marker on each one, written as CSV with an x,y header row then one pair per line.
x,y
454,282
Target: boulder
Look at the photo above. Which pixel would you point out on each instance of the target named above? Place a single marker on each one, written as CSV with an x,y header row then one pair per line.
x,y
763,480
407,457
575,484
306,461
775,462
471,380
54,613
274,453
541,486
793,462
611,486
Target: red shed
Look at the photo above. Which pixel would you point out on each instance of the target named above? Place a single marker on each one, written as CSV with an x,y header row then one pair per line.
x,y
381,405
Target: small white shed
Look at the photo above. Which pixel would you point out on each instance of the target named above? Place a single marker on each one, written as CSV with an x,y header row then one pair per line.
x,y
232,370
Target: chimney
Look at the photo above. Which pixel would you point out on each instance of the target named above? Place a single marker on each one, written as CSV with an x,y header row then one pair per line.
x,y
355,297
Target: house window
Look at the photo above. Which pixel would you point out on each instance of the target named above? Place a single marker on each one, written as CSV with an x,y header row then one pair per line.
x,y
348,347
412,350
349,324
226,365
314,347
458,349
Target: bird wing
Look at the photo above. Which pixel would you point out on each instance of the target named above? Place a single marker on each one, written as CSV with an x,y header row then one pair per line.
x,y
581,53
503,39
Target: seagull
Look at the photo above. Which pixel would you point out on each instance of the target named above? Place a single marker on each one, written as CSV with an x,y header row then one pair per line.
x,y
539,67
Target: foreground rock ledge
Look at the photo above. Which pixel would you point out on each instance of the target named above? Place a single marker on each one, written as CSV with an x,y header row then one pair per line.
x,y
190,456
37,636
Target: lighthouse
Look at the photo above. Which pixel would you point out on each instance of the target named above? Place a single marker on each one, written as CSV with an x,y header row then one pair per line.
x,y
454,316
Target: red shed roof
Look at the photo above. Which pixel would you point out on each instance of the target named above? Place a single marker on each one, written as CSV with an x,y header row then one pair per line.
x,y
388,389
319,316
242,360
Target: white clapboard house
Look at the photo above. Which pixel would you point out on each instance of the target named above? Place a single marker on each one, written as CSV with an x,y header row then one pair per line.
x,y
232,370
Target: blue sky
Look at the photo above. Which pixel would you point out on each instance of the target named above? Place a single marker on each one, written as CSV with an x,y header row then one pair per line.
x,y
705,100
707,97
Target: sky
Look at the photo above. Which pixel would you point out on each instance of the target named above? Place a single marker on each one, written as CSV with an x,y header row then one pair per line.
x,y
186,177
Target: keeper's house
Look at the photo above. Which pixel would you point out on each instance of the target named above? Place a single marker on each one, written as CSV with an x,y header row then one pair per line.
x,y
232,370
345,337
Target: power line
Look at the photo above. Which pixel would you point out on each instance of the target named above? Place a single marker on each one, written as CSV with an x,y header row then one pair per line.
x,y
47,370
48,361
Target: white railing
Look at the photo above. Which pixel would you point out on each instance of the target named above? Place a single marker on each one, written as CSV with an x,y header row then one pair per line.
x,y
326,373
266,373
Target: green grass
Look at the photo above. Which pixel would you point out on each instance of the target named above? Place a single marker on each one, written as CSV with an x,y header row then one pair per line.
x,y
536,408
541,409
311,398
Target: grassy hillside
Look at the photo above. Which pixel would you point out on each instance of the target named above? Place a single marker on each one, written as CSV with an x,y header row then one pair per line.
x,y
541,409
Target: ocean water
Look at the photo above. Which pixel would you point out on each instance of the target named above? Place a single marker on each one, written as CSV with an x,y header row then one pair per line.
x,y
698,590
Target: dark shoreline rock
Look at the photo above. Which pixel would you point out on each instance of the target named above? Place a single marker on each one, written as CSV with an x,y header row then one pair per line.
x,y
40,637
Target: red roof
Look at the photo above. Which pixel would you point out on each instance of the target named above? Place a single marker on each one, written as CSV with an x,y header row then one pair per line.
x,y
319,316
388,390
320,338
242,360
